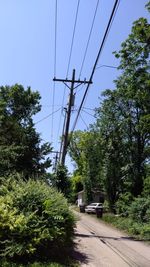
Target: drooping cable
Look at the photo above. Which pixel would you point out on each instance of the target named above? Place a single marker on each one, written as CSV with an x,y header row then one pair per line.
x,y
55,57
113,13
86,49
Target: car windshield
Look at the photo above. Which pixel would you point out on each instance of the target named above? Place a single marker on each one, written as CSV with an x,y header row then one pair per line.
x,y
93,204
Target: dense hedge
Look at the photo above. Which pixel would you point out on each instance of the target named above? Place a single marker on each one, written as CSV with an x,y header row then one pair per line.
x,y
34,220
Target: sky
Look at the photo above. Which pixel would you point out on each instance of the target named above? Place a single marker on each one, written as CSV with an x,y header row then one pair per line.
x,y
27,54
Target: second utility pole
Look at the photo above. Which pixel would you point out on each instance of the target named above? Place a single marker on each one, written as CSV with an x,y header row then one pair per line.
x,y
70,104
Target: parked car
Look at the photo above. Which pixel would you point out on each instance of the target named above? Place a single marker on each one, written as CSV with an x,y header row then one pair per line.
x,y
91,208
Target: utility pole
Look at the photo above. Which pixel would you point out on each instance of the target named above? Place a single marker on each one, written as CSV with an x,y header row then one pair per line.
x,y
56,159
68,112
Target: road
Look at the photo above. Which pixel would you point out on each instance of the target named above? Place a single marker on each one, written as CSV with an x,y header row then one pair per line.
x,y
99,245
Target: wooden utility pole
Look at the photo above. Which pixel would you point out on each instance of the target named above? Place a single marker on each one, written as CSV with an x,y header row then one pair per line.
x,y
68,112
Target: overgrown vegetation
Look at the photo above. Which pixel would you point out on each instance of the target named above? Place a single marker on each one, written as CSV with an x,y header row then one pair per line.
x,y
38,264
113,157
35,221
114,154
36,224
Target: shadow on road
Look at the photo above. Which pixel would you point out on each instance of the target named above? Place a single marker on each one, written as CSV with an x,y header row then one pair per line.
x,y
106,237
80,257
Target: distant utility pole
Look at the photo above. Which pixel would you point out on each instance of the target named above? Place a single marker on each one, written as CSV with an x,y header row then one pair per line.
x,y
56,159
68,112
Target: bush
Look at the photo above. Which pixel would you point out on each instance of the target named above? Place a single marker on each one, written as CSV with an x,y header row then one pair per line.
x,y
136,229
123,204
35,264
140,210
34,220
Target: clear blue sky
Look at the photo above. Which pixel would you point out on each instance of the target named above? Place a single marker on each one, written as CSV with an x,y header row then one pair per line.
x,y
27,30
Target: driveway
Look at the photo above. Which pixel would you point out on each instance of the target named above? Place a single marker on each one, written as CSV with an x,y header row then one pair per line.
x,y
100,245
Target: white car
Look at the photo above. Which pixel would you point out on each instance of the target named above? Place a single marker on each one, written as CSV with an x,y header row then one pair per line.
x,y
91,208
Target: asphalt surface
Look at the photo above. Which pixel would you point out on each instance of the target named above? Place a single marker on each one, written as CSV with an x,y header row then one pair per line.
x,y
99,245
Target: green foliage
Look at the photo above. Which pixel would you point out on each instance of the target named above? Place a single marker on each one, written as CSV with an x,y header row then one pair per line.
x,y
146,189
61,180
114,154
139,210
34,220
136,229
20,148
123,203
148,6
123,120
35,264
85,150
77,184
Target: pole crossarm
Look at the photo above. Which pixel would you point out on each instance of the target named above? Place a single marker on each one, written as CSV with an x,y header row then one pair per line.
x,y
73,85
70,81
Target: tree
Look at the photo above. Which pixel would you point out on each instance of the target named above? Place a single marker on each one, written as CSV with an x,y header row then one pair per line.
x,y
20,148
85,150
115,152
133,88
61,180
123,120
108,126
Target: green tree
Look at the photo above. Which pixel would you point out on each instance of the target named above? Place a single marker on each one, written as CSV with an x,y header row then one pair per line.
x,y
123,120
115,152
61,180
108,126
20,148
85,150
133,88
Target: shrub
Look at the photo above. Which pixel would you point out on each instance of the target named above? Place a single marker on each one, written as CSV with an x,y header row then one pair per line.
x,y
123,203
136,229
34,220
140,210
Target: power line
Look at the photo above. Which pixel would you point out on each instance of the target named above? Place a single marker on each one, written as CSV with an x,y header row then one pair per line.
x,y
107,66
70,54
55,56
83,121
113,13
89,39
93,109
88,113
76,17
47,116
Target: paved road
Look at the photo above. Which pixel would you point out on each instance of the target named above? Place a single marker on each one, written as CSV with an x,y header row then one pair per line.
x,y
99,245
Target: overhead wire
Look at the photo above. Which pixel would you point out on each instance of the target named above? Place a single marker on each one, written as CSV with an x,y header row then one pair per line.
x,y
69,60
107,66
51,114
55,57
74,29
83,121
88,113
113,13
88,41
